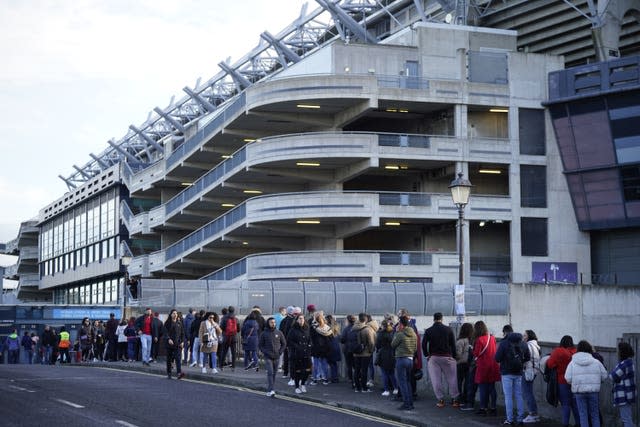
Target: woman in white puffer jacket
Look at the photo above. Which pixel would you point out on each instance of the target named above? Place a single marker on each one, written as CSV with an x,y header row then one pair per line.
x,y
585,374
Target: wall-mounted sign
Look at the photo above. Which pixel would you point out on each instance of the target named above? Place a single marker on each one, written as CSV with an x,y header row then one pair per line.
x,y
79,313
554,272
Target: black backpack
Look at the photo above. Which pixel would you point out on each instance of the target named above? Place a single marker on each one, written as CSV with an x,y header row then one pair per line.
x,y
514,359
353,342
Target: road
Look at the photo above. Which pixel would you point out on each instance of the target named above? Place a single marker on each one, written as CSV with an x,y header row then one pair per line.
x,y
35,395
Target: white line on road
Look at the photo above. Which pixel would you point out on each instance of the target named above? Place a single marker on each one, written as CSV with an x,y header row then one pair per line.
x,y
22,389
126,424
73,405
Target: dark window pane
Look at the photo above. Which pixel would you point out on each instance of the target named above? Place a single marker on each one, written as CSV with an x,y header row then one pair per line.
x,y
533,235
533,186
532,131
631,182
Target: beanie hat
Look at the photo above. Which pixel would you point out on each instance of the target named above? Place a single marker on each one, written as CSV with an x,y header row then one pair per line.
x,y
290,309
311,307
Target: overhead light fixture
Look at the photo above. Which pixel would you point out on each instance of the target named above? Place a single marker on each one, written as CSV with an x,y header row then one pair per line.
x,y
392,223
403,111
228,205
309,106
371,71
186,184
307,164
491,171
308,221
498,110
392,167
347,69
245,243
481,224
391,110
227,156
252,192
249,139
308,280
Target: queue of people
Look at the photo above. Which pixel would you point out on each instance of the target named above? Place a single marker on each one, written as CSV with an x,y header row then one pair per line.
x,y
306,349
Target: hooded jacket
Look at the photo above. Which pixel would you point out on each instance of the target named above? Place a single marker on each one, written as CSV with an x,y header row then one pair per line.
x,y
585,373
367,336
534,363
405,342
501,356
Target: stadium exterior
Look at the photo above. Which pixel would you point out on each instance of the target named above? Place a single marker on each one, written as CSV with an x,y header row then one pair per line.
x,y
325,155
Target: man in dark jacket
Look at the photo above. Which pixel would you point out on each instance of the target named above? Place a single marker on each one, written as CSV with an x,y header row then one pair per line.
x,y
285,327
348,356
439,346
48,344
111,336
188,320
272,344
512,354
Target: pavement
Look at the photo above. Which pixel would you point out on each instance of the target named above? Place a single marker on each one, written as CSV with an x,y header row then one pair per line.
x,y
425,412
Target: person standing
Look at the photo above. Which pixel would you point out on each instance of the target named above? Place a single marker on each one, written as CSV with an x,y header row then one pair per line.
x,y
86,339
464,355
559,359
188,339
121,352
531,369
335,354
173,337
250,333
321,335
385,358
208,337
299,343
111,336
272,344
194,331
405,345
366,339
512,354
155,344
98,340
585,373
346,346
439,346
624,390
148,331
487,369
230,330
12,344
47,342
27,345
64,345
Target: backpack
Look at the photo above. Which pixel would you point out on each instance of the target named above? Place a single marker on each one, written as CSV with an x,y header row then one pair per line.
x,y
353,342
231,327
551,378
514,359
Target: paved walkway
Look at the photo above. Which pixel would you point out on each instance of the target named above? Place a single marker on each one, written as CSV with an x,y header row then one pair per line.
x,y
341,395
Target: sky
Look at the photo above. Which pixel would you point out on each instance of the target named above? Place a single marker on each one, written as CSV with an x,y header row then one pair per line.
x,y
75,74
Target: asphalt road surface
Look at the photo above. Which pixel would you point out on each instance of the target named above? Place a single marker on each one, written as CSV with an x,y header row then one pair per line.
x,y
36,395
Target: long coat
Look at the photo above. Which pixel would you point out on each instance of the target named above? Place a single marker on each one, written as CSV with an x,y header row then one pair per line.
x,y
250,333
487,369
214,331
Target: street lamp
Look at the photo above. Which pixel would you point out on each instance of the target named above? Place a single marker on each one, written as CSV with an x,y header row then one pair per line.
x,y
460,190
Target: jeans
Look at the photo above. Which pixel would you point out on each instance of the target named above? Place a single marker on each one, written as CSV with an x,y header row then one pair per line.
x,y
46,354
404,372
568,404
512,384
145,341
210,359
320,369
529,397
626,415
587,404
195,351
272,368
333,371
462,372
131,349
361,365
250,355
487,395
389,380
439,366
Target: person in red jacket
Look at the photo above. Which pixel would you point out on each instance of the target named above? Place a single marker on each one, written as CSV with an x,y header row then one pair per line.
x,y
559,359
487,369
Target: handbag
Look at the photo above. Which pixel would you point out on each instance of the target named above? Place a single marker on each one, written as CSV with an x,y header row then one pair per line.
x,y
205,338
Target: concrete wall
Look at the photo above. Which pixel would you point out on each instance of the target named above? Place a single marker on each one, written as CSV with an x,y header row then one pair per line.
x,y
599,314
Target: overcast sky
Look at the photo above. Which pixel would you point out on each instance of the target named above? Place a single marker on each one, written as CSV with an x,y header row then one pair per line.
x,y
75,74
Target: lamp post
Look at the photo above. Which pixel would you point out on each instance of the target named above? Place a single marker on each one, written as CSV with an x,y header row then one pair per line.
x,y
460,190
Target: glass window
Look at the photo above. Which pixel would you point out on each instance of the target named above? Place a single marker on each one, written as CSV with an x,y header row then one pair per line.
x,y
90,255
105,249
533,186
533,236
631,182
532,131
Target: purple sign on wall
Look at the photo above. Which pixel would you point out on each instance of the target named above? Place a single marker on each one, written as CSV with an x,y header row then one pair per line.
x,y
554,272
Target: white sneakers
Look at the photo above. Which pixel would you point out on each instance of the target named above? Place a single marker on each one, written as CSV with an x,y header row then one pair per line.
x,y
291,382
385,393
214,371
530,419
271,393
298,391
303,388
395,391
193,365
204,370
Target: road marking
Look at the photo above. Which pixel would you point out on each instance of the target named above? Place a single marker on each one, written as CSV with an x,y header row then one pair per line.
x,y
22,389
126,424
73,405
283,397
